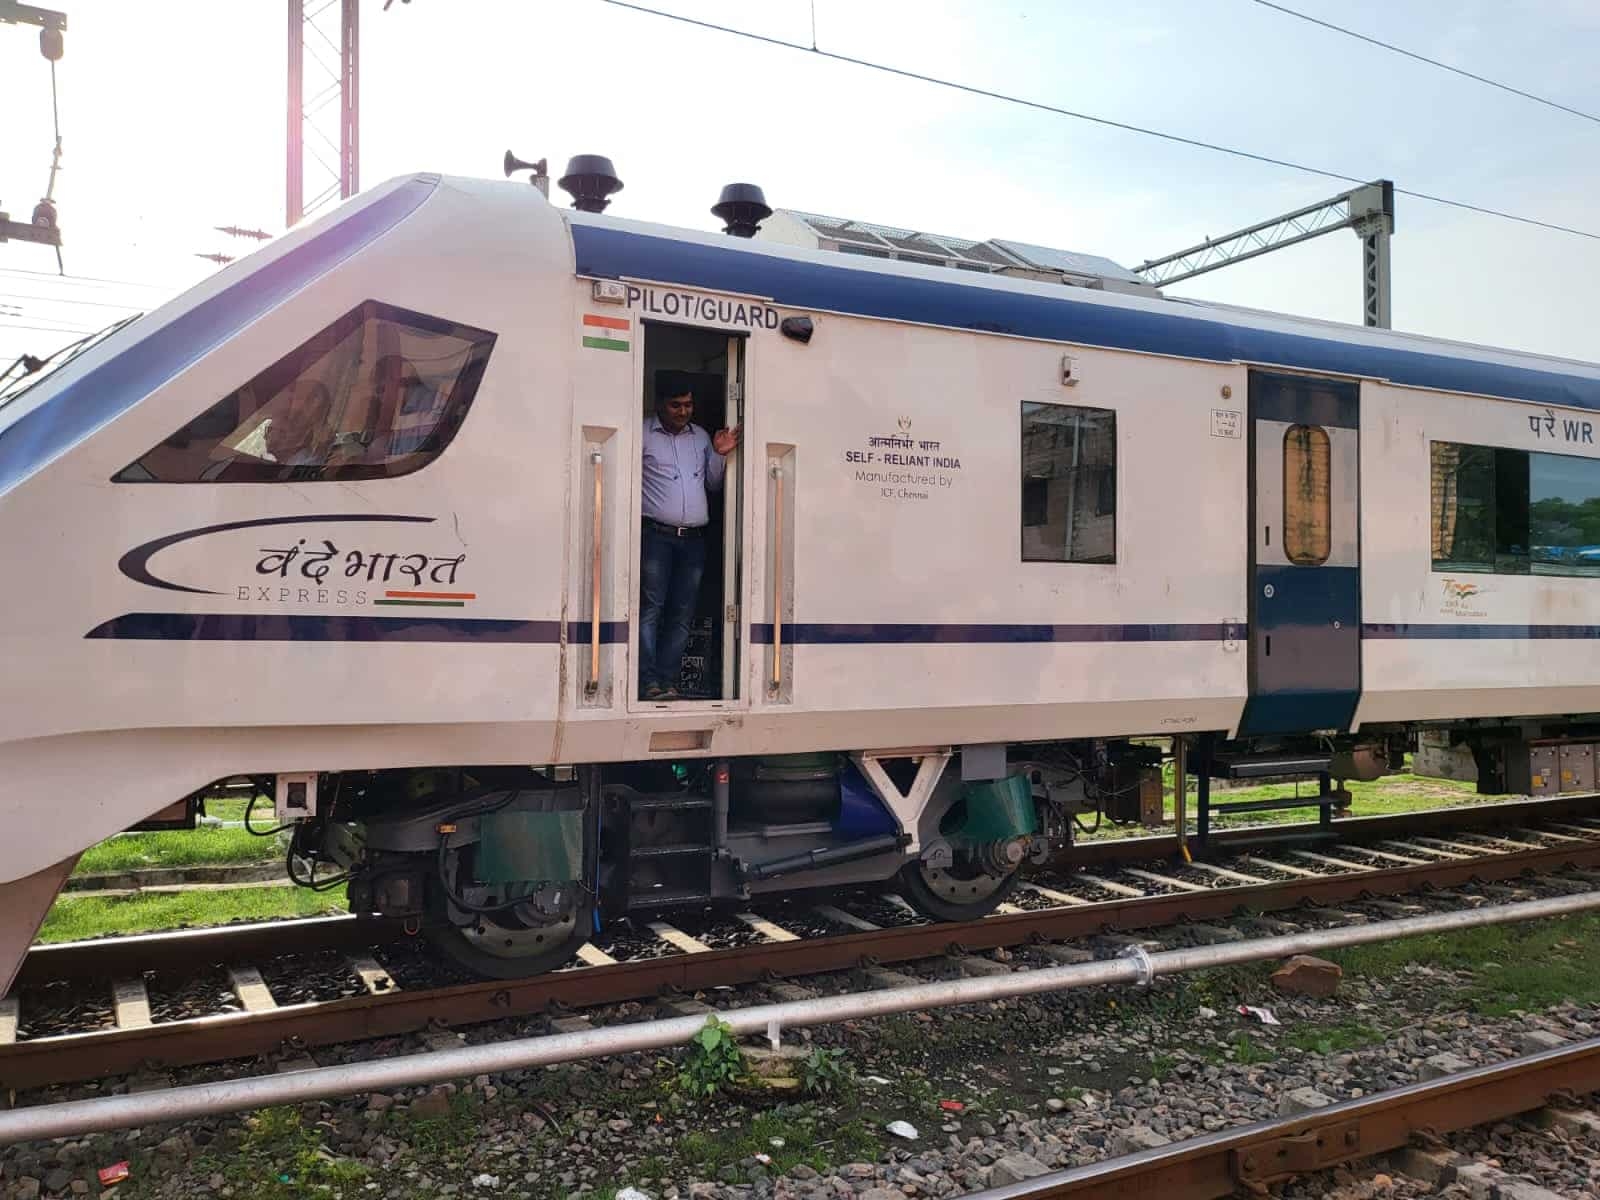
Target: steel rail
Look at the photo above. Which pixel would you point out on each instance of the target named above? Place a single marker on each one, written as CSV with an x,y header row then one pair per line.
x,y
131,954
77,1117
1497,814
1250,1157
75,1057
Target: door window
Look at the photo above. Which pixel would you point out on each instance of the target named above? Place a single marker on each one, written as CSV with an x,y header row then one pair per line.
x,y
1307,495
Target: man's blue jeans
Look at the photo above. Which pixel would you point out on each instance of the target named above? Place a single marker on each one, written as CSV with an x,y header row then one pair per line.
x,y
669,583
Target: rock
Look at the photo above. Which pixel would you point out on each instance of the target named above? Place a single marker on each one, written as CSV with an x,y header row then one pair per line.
x,y
1485,1182
1437,1167
879,1193
1442,1064
766,1063
435,1104
1014,1168
58,1180
1055,1105
27,1188
1140,1137
378,1102
1536,1040
1304,975
1301,1099
802,1171
80,1187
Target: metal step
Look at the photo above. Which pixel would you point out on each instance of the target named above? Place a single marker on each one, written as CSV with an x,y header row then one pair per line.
x,y
659,898
1255,766
668,803
671,851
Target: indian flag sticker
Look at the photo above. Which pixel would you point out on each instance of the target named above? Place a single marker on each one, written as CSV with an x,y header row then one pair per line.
x,y
427,599
605,333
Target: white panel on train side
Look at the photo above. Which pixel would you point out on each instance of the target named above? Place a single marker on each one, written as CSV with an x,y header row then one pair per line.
x,y
1449,673
497,494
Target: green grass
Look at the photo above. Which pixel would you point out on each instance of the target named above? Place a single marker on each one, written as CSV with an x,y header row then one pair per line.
x,y
1246,1053
1332,1039
280,1159
76,917
1525,966
189,848
206,846
804,1139
1398,793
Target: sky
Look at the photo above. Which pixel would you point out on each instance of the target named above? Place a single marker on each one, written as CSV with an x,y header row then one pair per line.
x,y
173,121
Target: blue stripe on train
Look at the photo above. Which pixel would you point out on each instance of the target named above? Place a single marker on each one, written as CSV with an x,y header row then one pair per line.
x,y
1472,633
876,634
340,627
621,253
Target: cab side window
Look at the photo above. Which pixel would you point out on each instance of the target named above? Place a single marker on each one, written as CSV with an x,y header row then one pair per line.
x,y
1069,484
380,392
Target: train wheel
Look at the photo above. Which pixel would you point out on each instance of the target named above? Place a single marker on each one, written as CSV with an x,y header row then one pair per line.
x,y
961,893
501,952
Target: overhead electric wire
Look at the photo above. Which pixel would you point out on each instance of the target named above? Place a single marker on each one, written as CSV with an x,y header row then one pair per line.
x,y
84,279
66,300
43,328
1432,62
1040,106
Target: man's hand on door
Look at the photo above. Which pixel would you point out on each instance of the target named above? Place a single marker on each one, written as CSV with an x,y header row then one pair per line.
x,y
724,440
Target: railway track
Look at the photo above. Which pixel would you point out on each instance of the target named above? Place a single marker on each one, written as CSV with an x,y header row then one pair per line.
x,y
775,948
1249,1159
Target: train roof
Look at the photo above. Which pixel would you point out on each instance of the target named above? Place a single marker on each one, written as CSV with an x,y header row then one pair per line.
x,y
111,376
826,281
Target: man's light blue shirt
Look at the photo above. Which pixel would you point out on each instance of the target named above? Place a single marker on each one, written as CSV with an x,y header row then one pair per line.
x,y
678,471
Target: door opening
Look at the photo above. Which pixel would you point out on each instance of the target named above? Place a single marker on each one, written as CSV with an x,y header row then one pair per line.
x,y
690,509
1305,585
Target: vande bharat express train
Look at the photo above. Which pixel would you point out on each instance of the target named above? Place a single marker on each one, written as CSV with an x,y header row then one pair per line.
x,y
981,535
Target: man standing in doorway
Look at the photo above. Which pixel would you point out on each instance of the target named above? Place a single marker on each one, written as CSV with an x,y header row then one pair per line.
x,y
682,462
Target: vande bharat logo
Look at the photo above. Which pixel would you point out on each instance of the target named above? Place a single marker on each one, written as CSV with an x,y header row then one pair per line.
x,y
1462,598
291,560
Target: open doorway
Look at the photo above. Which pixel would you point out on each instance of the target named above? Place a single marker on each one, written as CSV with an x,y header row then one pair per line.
x,y
706,364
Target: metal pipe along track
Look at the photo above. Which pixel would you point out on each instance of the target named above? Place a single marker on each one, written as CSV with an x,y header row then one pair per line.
x,y
118,1112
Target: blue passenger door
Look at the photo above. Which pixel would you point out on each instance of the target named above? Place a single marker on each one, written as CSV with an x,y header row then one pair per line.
x,y
1305,554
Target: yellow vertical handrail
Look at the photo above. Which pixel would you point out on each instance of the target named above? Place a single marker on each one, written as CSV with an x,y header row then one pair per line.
x,y
594,596
777,577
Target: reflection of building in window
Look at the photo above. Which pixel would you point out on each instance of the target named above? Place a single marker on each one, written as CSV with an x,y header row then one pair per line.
x,y
351,403
1307,502
1069,484
1513,512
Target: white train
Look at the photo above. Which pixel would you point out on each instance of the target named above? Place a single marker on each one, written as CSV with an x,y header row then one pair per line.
x,y
980,534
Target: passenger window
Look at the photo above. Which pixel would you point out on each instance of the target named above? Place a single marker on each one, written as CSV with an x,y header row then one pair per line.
x,y
1307,500
1513,512
1564,514
380,392
1069,484
1463,509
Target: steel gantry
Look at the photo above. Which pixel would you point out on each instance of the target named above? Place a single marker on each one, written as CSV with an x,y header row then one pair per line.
x,y
1368,210
338,74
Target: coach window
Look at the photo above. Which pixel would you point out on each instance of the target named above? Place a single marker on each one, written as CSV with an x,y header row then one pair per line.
x,y
1069,484
1307,502
1513,512
380,392
1564,514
